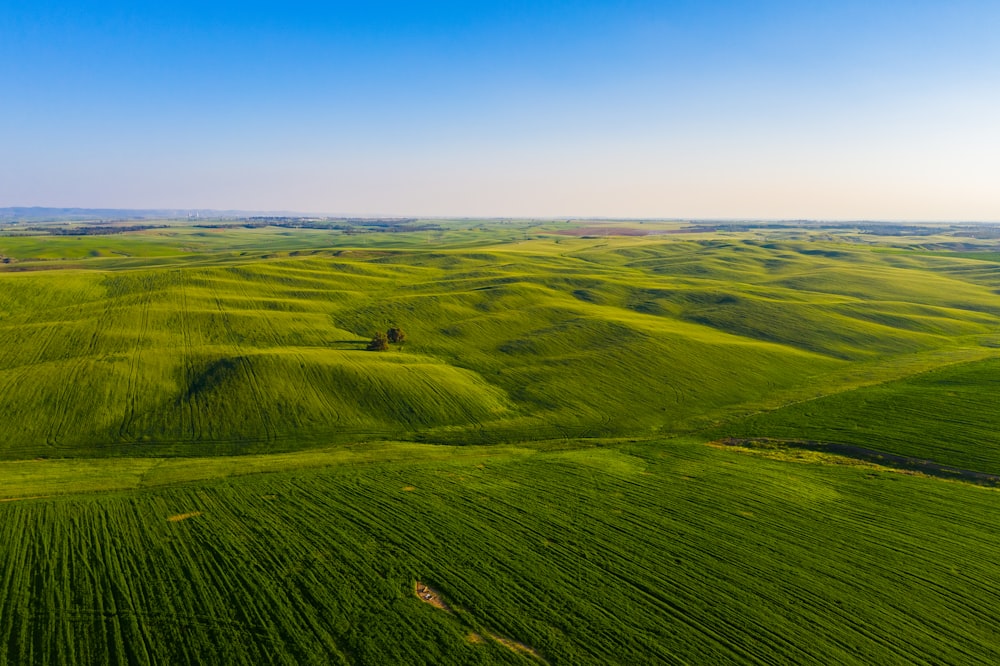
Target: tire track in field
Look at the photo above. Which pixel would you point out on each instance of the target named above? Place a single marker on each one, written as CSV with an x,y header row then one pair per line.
x,y
30,335
321,396
132,384
270,431
111,304
247,368
17,377
252,298
62,397
271,336
35,316
666,592
62,401
188,354
461,408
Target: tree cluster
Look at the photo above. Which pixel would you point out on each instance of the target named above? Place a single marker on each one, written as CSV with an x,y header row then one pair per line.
x,y
380,341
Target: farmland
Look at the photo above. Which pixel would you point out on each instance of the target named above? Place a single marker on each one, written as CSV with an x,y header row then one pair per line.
x,y
201,462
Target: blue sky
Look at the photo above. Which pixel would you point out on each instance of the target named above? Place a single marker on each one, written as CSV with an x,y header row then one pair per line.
x,y
822,110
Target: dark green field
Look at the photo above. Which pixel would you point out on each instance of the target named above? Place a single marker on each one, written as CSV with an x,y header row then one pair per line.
x,y
950,415
201,463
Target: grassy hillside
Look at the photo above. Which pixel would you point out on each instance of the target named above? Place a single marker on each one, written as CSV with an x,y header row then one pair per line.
x,y
535,339
201,463
950,415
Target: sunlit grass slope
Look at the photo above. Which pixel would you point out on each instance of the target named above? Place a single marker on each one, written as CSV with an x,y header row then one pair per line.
x,y
523,452
662,552
534,339
950,416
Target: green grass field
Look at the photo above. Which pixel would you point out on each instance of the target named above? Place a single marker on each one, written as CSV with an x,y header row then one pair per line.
x,y
660,552
535,451
950,415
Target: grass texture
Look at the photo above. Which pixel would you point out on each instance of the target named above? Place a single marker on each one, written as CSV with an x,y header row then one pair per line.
x,y
200,463
661,552
531,340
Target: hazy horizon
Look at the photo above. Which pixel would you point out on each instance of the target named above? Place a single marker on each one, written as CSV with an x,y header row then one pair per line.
x,y
679,110
172,213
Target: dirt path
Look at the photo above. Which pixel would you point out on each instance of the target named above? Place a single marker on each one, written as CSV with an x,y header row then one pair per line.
x,y
430,596
183,516
519,648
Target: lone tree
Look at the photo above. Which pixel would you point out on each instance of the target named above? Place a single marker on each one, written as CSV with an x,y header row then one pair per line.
x,y
379,342
395,335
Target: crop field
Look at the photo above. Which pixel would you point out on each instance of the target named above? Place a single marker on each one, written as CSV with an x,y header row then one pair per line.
x,y
950,415
200,462
664,552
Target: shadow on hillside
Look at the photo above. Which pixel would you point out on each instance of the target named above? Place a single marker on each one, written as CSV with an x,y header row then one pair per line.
x,y
928,467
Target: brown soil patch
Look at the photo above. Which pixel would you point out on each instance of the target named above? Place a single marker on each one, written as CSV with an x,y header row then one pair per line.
x,y
183,516
474,638
409,488
430,596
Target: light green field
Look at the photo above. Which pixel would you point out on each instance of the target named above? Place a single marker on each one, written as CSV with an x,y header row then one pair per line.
x,y
506,344
535,450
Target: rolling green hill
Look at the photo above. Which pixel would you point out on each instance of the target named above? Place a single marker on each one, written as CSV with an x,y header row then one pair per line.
x,y
532,340
949,415
200,460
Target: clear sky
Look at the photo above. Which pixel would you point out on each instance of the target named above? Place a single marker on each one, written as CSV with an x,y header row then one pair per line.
x,y
814,109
